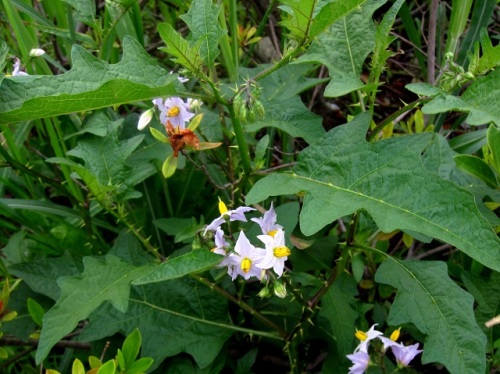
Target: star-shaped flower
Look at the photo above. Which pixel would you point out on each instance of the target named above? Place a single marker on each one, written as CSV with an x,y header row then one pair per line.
x,y
245,259
174,110
361,360
365,338
268,222
276,252
404,354
233,215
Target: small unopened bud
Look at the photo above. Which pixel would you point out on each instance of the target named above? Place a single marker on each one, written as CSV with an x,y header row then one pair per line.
x,y
145,118
37,52
265,292
194,104
279,289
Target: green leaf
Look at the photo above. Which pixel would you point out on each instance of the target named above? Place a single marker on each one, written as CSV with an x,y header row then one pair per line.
x,y
90,84
41,275
439,308
343,49
77,367
140,366
108,368
169,166
187,54
192,262
102,280
4,50
203,21
283,105
493,136
342,173
85,10
331,13
478,168
337,310
298,17
131,347
36,311
489,59
481,100
177,316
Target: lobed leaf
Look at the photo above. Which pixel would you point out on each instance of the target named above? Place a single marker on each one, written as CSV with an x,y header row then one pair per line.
x,y
342,173
438,307
90,84
176,316
203,21
102,280
481,100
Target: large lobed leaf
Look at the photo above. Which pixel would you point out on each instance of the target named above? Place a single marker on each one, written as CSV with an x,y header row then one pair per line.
x,y
179,315
438,307
343,173
481,99
344,47
203,21
90,84
102,280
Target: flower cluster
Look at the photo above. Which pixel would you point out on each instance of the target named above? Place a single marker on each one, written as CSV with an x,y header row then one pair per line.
x,y
245,259
361,358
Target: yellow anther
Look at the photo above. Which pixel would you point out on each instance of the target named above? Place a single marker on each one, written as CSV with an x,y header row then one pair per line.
x,y
173,112
272,233
222,207
361,335
246,264
395,335
281,251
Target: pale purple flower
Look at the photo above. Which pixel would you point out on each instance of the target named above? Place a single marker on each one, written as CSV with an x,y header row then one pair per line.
x,y
244,261
404,354
387,342
220,243
365,338
361,360
17,68
276,252
233,215
174,110
268,222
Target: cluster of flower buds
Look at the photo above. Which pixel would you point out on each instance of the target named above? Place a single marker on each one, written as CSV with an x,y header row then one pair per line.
x,y
248,109
361,358
243,258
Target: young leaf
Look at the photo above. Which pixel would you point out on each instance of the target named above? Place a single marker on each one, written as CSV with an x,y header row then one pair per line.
x,y
187,54
108,368
90,84
342,173
481,100
36,311
77,367
100,281
131,347
344,48
439,308
493,136
203,21
140,366
298,18
478,168
169,166
192,262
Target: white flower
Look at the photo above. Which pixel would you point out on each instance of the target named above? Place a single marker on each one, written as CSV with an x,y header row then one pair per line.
x,y
174,110
233,215
365,338
17,68
244,261
276,252
36,52
181,79
145,118
361,360
404,354
268,222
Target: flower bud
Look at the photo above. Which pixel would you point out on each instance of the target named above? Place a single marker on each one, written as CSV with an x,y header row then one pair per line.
x,y
279,289
145,118
37,52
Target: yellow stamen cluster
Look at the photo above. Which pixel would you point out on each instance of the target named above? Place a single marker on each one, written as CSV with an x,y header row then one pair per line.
x,y
173,112
281,251
246,264
395,335
361,335
272,233
222,207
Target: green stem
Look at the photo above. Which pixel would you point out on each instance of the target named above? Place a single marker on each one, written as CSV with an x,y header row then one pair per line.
x,y
230,60
282,333
240,139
